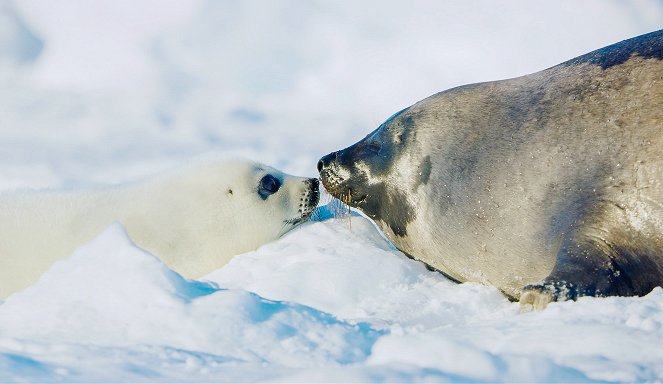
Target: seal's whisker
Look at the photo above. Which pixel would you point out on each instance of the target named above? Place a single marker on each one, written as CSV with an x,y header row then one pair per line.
x,y
347,206
315,216
338,206
284,229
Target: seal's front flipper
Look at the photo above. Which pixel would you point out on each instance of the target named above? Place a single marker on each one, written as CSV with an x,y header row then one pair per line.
x,y
588,266
535,298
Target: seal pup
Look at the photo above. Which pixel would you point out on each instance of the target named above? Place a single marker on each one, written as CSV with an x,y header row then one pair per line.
x,y
548,186
194,219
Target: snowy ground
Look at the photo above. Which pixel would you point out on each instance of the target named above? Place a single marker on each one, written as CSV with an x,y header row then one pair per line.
x,y
108,91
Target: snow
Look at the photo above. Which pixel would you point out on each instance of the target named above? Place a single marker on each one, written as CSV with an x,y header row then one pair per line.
x,y
127,300
111,91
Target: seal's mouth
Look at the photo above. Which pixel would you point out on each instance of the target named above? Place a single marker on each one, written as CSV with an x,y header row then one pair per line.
x,y
333,183
307,203
340,188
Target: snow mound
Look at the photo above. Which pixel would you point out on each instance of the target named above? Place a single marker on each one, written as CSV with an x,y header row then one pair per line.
x,y
111,296
446,331
348,269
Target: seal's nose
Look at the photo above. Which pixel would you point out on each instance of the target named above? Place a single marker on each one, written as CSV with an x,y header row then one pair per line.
x,y
325,161
314,194
314,184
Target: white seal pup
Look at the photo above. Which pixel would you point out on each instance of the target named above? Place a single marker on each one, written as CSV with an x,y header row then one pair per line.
x,y
548,186
194,219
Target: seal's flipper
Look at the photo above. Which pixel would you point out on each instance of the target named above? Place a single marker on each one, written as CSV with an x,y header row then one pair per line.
x,y
591,266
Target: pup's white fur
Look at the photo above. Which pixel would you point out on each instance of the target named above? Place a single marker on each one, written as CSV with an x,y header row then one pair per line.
x,y
195,219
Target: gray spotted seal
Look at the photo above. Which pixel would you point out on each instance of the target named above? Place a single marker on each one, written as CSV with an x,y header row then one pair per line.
x,y
195,219
548,186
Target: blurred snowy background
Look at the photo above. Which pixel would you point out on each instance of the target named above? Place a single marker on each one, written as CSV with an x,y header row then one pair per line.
x,y
102,91
98,92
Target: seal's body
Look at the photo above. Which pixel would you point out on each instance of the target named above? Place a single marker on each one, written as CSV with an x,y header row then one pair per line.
x,y
548,186
195,219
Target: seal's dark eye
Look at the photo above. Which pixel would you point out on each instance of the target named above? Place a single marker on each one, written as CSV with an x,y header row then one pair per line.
x,y
268,185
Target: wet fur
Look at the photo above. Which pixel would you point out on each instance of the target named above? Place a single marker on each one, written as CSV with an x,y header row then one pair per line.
x,y
549,184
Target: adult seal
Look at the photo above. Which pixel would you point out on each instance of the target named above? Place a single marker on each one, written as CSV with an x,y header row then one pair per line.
x,y
548,186
195,219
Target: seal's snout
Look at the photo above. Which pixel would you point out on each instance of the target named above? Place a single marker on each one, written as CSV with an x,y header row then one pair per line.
x,y
311,197
308,202
326,168
314,191
313,183
326,161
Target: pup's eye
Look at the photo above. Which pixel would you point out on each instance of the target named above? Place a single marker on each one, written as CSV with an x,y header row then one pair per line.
x,y
268,185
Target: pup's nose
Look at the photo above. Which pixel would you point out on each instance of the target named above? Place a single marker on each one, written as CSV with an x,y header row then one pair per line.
x,y
325,161
314,183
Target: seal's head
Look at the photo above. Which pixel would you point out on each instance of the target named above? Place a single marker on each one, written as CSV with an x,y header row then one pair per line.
x,y
379,173
279,200
227,207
